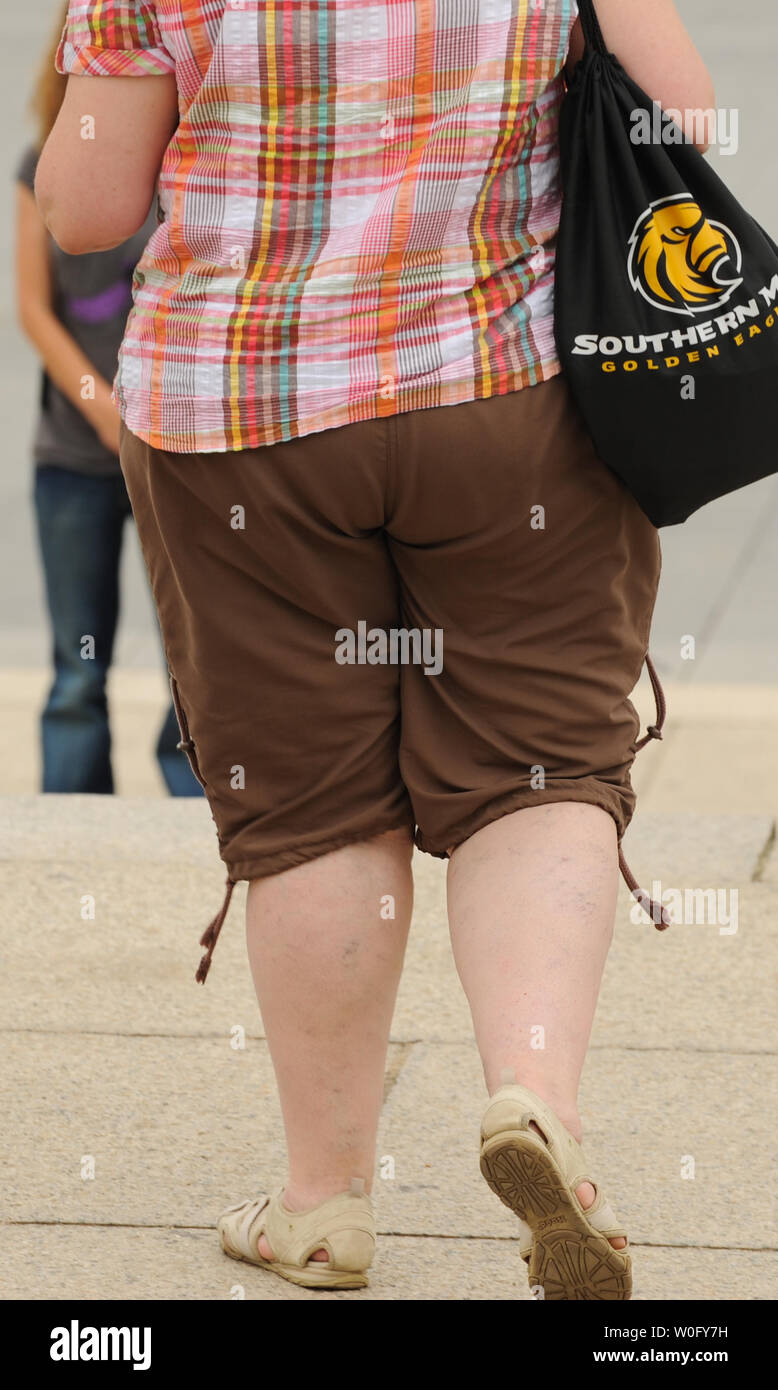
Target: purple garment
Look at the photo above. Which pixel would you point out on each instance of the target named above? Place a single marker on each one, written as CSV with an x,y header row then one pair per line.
x,y
106,304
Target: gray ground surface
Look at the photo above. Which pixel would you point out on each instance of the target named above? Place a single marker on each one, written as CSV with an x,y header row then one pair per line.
x,y
112,1053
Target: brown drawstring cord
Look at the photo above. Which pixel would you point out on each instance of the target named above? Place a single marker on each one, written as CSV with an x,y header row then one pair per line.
x,y
211,934
654,730
659,915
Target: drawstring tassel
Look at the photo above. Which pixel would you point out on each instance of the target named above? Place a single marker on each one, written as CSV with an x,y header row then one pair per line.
x,y
659,915
211,934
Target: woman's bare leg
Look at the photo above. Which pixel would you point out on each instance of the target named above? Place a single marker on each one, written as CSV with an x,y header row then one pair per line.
x,y
326,958
531,902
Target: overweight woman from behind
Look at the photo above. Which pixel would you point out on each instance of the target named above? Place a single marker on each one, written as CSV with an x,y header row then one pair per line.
x,y
344,328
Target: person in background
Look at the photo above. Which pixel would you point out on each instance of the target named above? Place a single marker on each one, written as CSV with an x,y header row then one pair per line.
x,y
74,309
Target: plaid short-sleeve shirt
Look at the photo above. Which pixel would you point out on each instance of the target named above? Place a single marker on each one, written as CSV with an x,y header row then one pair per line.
x,y
360,200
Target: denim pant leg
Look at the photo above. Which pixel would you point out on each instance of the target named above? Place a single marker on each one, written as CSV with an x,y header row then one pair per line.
x,y
171,760
80,519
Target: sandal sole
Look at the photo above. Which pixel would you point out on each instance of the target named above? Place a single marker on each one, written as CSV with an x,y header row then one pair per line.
x,y
570,1260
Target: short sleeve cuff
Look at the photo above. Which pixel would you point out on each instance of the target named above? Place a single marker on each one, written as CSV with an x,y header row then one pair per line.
x,y
112,62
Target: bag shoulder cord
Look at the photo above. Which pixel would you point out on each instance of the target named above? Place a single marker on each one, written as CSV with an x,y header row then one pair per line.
x,y
590,25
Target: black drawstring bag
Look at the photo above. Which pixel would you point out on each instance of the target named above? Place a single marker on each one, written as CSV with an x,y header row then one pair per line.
x,y
666,311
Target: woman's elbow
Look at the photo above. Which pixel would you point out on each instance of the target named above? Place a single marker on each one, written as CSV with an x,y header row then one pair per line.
x,y
700,117
77,232
692,108
25,318
700,123
69,236
81,222
77,240
33,314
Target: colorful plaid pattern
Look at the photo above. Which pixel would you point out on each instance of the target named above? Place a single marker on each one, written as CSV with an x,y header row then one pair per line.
x,y
360,204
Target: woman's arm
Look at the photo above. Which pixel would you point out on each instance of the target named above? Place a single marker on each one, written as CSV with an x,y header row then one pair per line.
x,y
649,39
61,356
97,172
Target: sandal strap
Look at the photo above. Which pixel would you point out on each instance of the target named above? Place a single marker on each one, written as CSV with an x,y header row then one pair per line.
x,y
343,1225
515,1107
601,1215
244,1223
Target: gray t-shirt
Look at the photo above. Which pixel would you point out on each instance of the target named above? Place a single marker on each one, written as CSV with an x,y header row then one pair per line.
x,y
92,298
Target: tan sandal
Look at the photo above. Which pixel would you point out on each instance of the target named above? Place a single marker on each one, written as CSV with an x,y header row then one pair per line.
x,y
567,1248
344,1226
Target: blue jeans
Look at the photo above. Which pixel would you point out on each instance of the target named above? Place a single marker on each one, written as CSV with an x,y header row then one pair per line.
x,y
80,526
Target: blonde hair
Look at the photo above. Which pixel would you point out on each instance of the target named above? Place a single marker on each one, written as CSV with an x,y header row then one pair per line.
x,y
50,85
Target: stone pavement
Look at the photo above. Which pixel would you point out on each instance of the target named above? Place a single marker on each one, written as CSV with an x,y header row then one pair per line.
x,y
114,1057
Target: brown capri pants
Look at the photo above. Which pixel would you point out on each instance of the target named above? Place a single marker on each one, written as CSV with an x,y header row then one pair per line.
x,y
492,523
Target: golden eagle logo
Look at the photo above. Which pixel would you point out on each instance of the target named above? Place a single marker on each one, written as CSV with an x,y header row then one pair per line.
x,y
680,261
